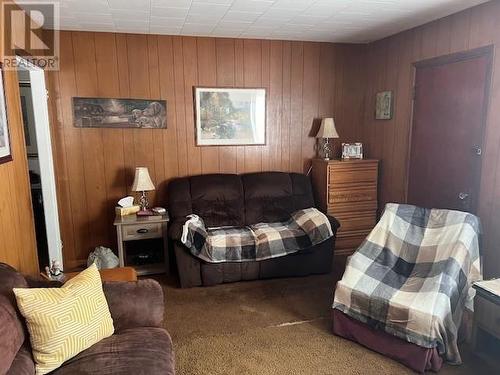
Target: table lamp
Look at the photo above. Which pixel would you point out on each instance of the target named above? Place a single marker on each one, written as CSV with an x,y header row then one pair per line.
x,y
326,131
142,183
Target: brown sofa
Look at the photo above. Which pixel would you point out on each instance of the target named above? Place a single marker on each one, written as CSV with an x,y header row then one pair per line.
x,y
139,345
239,200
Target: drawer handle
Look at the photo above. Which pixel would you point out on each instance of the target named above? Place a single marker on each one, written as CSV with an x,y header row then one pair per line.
x,y
142,230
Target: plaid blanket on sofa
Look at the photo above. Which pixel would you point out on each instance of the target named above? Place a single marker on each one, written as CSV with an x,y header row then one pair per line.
x,y
304,229
412,276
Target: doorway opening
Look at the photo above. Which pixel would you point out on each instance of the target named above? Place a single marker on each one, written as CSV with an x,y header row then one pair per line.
x,y
449,116
33,97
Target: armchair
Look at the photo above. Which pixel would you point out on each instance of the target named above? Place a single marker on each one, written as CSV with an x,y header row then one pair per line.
x,y
139,345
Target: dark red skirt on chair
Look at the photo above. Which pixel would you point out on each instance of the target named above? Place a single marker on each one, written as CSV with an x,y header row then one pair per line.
x,y
415,357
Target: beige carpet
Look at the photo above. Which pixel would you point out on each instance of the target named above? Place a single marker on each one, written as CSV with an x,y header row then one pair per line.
x,y
279,326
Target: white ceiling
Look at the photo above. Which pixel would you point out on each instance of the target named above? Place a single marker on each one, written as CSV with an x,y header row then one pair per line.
x,y
352,21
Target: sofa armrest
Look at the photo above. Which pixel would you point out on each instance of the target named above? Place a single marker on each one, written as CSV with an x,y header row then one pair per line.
x,y
175,229
334,223
135,304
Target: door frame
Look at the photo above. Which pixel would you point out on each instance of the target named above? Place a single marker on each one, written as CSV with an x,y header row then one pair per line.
x,y
45,158
486,51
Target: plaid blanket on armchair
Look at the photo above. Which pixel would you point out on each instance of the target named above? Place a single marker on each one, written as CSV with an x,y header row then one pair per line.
x,y
304,229
412,276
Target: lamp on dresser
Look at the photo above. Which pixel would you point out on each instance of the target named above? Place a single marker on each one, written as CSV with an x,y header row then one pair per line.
x,y
142,183
326,131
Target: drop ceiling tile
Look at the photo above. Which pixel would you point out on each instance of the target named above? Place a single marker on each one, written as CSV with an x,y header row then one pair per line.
x,y
169,12
171,3
241,16
234,25
324,10
224,2
197,27
258,29
293,4
98,26
264,22
94,18
306,20
129,4
97,6
212,19
166,22
205,8
133,25
165,30
281,13
126,14
251,5
257,32
233,29
225,33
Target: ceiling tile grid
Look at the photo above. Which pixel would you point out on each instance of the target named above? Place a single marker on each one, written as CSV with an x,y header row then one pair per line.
x,y
347,21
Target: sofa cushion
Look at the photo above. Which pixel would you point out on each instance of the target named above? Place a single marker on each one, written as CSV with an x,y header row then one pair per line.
x,y
303,196
132,351
218,199
268,197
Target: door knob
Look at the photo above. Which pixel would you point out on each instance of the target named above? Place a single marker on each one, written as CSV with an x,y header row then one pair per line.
x,y
477,150
463,196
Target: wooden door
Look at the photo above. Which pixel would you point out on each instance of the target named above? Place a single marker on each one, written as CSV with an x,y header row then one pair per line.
x,y
450,103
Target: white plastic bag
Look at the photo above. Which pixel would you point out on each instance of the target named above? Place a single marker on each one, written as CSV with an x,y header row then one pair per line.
x,y
103,257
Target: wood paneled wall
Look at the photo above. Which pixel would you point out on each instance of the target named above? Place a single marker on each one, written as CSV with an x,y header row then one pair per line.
x,y
17,233
390,68
94,167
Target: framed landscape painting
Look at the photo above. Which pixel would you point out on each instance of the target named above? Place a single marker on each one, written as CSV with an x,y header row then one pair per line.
x,y
5,151
230,116
119,113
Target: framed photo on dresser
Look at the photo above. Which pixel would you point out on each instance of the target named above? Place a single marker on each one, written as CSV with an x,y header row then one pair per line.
x,y
5,150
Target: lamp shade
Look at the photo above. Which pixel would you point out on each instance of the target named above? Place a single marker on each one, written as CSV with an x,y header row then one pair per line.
x,y
142,181
327,129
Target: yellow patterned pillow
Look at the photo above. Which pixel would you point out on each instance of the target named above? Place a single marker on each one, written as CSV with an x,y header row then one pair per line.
x,y
64,321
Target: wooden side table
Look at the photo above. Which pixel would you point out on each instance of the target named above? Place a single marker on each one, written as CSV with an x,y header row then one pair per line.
x,y
143,243
486,329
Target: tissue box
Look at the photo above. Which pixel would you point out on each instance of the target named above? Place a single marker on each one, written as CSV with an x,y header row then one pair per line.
x,y
124,211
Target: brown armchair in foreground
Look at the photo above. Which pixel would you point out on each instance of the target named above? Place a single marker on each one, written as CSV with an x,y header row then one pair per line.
x,y
139,345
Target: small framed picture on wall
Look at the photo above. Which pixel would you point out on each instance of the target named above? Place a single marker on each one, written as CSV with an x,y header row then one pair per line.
x,y
5,151
384,105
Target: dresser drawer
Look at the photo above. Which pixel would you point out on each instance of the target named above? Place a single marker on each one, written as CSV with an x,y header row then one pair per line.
x,y
142,231
487,315
357,175
362,221
352,195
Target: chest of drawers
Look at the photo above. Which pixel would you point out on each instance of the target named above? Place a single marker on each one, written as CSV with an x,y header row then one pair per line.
x,y
348,191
